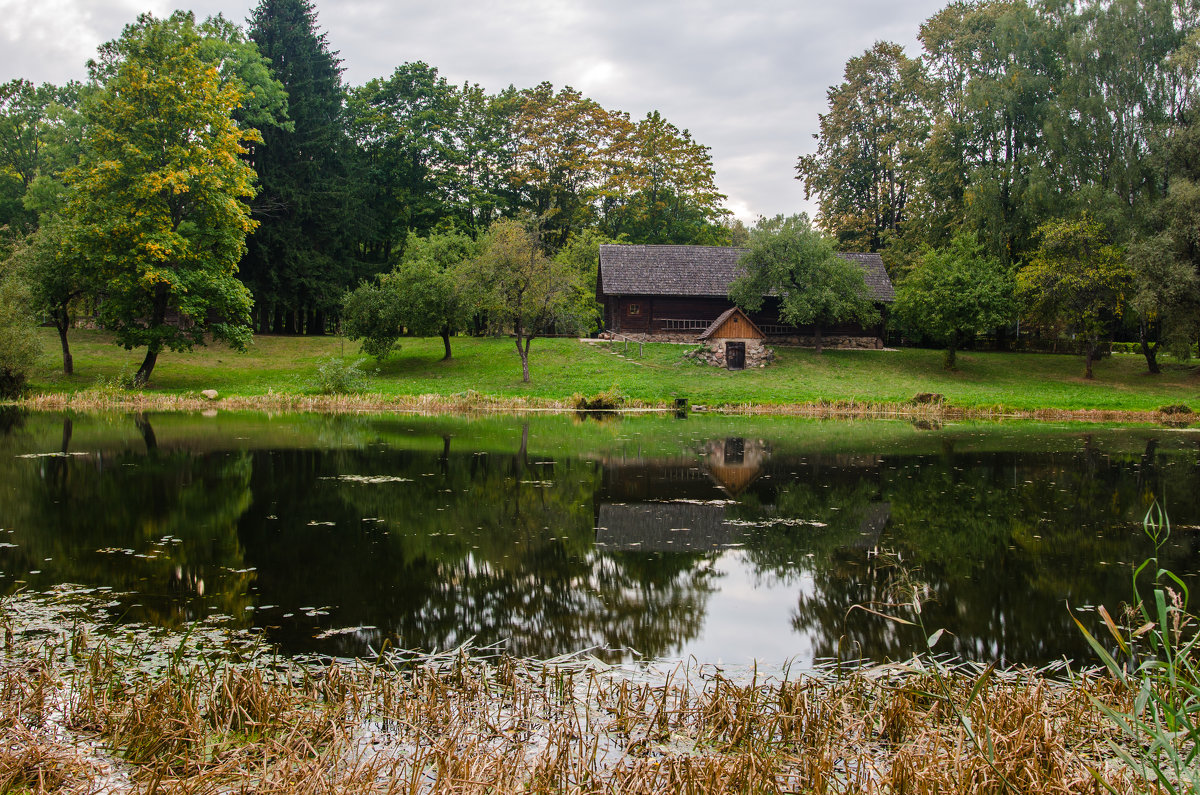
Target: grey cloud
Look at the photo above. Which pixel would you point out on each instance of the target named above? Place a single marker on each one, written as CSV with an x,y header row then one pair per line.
x,y
747,79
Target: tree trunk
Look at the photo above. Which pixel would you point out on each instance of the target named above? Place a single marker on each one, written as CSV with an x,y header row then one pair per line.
x,y
157,316
62,322
951,360
1091,355
523,352
1151,353
143,374
817,338
446,340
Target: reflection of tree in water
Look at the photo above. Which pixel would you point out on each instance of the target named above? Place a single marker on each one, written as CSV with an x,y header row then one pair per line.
x,y
1003,541
11,418
67,509
840,511
434,549
446,544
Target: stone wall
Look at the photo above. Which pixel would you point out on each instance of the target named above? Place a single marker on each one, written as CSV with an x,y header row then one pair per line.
x,y
827,340
832,341
713,352
662,336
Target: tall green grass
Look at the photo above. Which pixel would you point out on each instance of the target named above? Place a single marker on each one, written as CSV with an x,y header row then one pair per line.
x,y
1158,660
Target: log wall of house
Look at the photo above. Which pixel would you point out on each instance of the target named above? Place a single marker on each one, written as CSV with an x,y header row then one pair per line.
x,y
651,314
660,315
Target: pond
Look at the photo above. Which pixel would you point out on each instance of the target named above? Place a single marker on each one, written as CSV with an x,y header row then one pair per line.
x,y
729,539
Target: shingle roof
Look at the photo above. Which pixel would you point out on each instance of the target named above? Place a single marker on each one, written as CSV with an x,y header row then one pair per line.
x,y
700,270
716,324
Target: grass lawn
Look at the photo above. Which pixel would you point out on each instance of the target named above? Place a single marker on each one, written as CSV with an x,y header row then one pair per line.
x,y
562,367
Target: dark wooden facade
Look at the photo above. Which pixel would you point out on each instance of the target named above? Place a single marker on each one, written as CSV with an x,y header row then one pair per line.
x,y
678,291
664,316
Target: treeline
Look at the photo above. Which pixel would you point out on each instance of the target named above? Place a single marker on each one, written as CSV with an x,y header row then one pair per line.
x,y
1052,144
345,176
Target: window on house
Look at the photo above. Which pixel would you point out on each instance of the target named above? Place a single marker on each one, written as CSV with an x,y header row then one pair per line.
x,y
635,309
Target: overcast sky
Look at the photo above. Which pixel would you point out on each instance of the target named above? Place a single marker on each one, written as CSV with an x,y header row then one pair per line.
x,y
748,79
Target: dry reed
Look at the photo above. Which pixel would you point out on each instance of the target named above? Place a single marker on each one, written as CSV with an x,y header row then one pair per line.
x,y
84,708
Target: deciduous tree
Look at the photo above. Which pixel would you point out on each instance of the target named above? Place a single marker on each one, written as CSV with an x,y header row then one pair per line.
x,y
562,140
405,129
993,68
870,143
660,186
955,293
40,129
56,277
791,260
19,346
160,194
371,313
430,284
424,295
1076,278
521,289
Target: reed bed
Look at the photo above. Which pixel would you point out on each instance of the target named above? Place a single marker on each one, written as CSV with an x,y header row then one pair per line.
x,y
90,707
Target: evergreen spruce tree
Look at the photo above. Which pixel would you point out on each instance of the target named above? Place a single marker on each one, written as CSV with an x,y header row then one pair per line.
x,y
299,261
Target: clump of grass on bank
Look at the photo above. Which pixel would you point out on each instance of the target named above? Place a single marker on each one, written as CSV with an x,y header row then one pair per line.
x,y
84,708
489,367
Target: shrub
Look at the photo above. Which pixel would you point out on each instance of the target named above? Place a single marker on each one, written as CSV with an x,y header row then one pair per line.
x,y
124,379
371,313
337,376
19,347
610,399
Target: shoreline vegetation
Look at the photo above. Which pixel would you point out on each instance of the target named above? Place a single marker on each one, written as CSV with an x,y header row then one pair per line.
x,y
282,373
92,706
273,402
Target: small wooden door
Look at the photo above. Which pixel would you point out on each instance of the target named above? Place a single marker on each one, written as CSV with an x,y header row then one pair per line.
x,y
735,355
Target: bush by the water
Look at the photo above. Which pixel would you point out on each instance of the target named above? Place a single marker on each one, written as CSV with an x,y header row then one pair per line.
x,y
19,346
338,376
123,379
609,399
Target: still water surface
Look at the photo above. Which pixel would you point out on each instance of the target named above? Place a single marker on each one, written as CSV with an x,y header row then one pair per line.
x,y
728,539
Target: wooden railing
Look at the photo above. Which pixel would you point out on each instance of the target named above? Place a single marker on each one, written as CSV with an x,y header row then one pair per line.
x,y
678,324
626,340
777,329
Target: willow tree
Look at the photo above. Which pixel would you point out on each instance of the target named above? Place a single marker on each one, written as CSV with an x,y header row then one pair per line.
x,y
159,195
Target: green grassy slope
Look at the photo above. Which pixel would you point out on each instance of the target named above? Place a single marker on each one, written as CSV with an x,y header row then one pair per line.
x,y
561,367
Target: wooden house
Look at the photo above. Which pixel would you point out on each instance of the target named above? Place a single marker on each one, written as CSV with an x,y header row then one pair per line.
x,y
676,293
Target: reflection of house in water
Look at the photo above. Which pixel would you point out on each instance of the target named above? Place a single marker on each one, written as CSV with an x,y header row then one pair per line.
x,y
735,463
873,522
665,526
680,504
